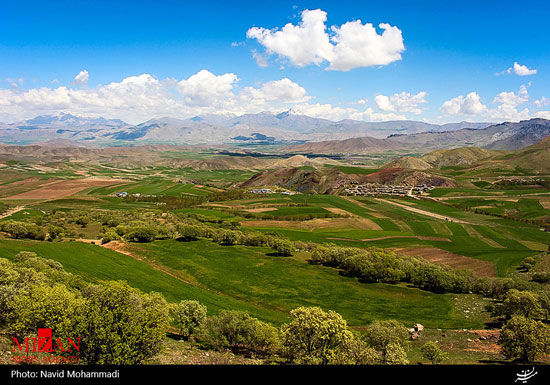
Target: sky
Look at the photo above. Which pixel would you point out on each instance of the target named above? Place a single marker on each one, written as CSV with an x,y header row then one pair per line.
x,y
433,61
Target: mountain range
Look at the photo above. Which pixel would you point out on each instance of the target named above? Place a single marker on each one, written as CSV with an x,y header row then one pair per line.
x,y
264,127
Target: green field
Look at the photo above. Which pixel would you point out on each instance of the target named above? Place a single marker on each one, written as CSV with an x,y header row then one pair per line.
x,y
246,278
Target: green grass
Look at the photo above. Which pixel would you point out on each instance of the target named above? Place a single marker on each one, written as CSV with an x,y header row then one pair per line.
x,y
250,279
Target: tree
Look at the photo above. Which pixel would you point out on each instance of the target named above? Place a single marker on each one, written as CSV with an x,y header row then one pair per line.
x,y
141,234
394,354
431,351
237,330
283,247
524,303
189,317
42,306
383,335
314,336
120,325
524,339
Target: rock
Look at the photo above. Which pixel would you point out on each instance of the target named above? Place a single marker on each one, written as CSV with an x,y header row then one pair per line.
x,y
418,327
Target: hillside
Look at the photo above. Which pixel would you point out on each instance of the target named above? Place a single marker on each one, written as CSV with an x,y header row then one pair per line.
x,y
365,145
535,157
319,181
409,162
457,156
505,136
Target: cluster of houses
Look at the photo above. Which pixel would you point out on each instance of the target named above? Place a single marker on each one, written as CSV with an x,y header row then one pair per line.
x,y
124,194
377,189
269,191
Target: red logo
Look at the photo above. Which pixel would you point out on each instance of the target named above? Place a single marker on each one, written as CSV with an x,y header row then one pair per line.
x,y
45,343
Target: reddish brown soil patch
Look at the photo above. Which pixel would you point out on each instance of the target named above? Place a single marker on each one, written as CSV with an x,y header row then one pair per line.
x,y
59,189
432,254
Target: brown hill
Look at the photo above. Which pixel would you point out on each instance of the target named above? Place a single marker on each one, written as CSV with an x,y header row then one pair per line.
x,y
322,181
408,162
366,145
457,156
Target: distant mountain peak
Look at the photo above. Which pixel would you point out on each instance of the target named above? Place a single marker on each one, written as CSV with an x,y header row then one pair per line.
x,y
287,113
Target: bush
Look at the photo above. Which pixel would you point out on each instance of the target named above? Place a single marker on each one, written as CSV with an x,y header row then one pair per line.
x,y
188,317
141,234
283,247
21,230
314,336
431,351
383,336
121,325
541,277
523,303
238,331
525,339
109,236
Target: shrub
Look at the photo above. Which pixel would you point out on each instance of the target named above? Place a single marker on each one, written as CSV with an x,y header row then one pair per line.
x,y
188,317
524,303
238,331
314,336
141,234
431,351
283,247
525,339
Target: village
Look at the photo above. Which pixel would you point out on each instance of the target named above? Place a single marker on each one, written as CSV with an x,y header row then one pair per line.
x,y
378,189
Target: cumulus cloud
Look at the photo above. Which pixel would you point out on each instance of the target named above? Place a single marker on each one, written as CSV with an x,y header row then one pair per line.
x,y
82,77
506,109
204,88
284,90
261,60
138,98
464,105
543,101
349,46
518,69
511,98
402,102
335,113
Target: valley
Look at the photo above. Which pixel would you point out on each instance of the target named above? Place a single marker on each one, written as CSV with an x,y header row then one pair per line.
x,y
482,211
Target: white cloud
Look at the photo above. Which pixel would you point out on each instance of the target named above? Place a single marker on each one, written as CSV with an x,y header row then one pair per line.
x,y
402,102
359,45
139,98
543,101
511,98
303,44
521,70
204,88
261,60
351,45
507,109
335,113
542,114
82,77
469,105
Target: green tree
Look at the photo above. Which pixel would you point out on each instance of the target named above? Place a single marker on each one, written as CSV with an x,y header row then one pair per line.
x,y
283,247
524,303
394,354
188,317
121,325
385,335
238,331
314,336
524,339
431,351
42,306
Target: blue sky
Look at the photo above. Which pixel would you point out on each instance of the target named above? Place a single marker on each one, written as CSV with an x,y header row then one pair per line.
x,y
450,49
